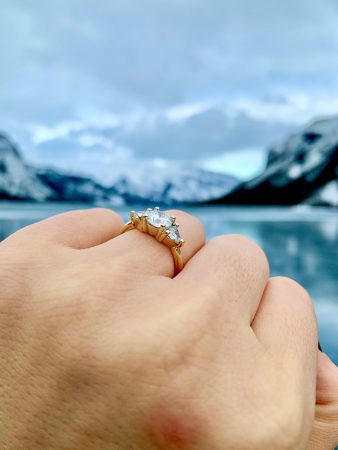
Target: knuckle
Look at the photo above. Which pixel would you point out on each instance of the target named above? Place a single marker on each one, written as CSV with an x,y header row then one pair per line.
x,y
250,248
293,288
288,283
244,250
24,237
178,212
300,302
109,213
186,217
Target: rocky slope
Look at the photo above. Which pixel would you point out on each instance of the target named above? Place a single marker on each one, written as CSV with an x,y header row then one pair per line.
x,y
74,188
325,196
17,180
171,185
130,185
303,169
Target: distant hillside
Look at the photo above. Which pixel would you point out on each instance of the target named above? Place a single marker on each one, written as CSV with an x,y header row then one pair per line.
x,y
303,169
17,180
131,184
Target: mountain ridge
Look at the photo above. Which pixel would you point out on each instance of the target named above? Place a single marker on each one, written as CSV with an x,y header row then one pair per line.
x,y
19,181
301,169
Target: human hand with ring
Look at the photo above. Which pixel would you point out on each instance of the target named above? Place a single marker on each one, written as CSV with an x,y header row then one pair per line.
x,y
107,342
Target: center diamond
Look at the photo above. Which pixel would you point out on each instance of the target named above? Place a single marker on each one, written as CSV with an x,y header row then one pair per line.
x,y
158,218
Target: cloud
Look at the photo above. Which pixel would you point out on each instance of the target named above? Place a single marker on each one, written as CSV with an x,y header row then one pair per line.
x,y
210,132
202,138
180,77
43,133
127,53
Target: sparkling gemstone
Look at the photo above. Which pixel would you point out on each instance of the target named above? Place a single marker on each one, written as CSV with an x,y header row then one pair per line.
x,y
174,234
138,214
158,218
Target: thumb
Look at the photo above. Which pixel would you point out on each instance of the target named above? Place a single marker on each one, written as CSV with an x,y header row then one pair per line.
x,y
325,433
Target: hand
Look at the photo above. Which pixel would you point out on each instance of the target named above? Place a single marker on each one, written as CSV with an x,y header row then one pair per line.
x,y
101,349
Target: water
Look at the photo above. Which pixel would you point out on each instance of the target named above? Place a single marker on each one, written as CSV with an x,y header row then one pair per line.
x,y
300,243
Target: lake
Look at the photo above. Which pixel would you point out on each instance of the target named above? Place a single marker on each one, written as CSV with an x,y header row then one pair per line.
x,y
301,243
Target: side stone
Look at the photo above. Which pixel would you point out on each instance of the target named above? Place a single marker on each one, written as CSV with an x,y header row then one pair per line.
x,y
174,234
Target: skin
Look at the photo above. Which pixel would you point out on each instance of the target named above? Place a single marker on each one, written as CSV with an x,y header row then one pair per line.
x,y
101,348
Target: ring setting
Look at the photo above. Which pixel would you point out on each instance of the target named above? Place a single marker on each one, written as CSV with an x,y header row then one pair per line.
x,y
162,227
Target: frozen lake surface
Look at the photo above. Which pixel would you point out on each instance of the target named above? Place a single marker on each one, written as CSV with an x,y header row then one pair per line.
x,y
301,243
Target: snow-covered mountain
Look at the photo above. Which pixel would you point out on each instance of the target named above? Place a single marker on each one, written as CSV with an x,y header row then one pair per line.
x,y
17,180
137,184
175,184
75,188
325,196
303,169
141,185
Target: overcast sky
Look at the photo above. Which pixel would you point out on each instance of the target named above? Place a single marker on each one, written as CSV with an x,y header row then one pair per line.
x,y
88,84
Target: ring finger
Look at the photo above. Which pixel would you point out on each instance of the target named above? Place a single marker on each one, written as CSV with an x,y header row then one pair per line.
x,y
142,253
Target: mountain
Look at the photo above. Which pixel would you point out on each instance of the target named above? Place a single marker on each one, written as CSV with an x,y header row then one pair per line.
x,y
74,188
325,196
17,180
171,184
302,169
137,184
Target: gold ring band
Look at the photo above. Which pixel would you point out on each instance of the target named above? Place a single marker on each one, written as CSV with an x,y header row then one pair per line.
x,y
162,227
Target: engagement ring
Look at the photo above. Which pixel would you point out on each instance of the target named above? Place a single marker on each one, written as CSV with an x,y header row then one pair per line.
x,y
162,227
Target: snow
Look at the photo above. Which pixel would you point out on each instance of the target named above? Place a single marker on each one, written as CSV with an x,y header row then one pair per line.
x,y
294,171
308,160
169,184
329,193
16,179
142,182
304,153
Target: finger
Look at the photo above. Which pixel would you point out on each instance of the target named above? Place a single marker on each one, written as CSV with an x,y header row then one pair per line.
x,y
325,431
327,383
141,252
286,325
232,269
77,229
